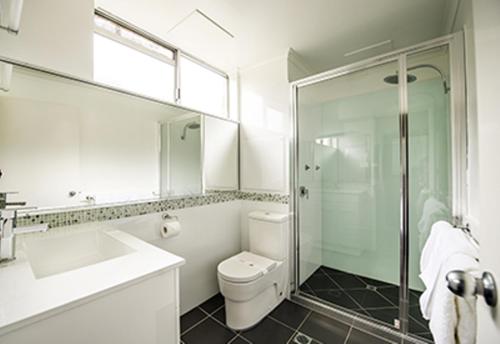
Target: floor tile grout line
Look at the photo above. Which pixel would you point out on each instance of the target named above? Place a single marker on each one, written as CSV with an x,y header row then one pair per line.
x,y
342,289
331,279
244,338
195,324
222,324
297,330
348,334
311,290
238,336
347,293
360,279
281,322
362,308
386,298
210,313
232,339
348,274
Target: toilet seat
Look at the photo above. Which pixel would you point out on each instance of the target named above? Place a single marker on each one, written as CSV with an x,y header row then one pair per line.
x,y
245,267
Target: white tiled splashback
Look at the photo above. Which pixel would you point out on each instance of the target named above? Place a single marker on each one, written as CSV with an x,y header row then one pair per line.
x,y
265,126
209,234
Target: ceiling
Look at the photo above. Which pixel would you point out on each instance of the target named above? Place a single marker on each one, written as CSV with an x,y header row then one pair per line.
x,y
320,31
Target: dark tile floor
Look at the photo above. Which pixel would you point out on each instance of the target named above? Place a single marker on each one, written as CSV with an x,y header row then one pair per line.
x,y
287,323
366,296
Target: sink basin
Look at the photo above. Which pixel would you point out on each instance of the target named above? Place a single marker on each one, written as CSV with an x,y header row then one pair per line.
x,y
53,254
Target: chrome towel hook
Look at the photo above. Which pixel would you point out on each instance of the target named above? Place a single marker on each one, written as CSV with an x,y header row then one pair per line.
x,y
463,284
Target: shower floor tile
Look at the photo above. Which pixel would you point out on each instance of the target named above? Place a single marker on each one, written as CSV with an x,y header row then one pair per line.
x,y
321,281
347,281
366,296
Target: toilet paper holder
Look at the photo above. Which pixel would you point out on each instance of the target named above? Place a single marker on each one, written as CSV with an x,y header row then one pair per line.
x,y
167,216
462,283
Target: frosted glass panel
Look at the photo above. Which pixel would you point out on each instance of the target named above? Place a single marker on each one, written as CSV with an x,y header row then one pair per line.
x,y
349,168
202,88
117,65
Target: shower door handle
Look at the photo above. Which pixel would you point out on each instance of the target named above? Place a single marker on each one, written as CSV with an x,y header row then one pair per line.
x,y
304,192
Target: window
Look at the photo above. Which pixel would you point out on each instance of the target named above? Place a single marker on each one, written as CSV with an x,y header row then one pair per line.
x,y
202,88
127,58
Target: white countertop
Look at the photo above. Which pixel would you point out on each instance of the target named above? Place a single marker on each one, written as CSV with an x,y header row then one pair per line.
x,y
25,299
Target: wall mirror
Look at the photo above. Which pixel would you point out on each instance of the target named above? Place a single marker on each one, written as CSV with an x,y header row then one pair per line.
x,y
66,142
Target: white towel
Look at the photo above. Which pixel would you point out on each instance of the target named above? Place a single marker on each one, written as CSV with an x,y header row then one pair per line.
x,y
452,319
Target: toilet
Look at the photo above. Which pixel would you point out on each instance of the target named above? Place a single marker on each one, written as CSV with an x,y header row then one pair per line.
x,y
254,282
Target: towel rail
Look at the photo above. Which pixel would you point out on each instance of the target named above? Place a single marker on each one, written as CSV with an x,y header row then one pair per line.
x,y
457,223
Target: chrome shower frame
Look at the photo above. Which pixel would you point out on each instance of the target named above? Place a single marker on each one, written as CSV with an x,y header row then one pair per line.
x,y
458,114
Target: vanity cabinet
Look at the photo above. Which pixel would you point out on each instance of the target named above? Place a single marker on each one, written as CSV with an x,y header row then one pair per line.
x,y
144,311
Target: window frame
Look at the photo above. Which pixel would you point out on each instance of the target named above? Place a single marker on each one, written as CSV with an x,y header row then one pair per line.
x,y
175,61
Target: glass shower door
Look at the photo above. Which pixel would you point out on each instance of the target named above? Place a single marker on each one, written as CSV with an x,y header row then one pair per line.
x,y
348,171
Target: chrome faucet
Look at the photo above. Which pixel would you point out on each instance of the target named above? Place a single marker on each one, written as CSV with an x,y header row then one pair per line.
x,y
8,227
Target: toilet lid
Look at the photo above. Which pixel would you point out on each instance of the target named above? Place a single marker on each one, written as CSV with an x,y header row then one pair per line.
x,y
245,267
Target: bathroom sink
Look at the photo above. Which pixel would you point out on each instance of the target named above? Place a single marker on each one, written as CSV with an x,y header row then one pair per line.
x,y
53,254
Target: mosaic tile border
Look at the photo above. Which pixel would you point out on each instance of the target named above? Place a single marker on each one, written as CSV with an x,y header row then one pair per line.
x,y
113,212
264,197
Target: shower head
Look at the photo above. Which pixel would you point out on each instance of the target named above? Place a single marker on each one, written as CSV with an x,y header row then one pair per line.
x,y
393,79
190,125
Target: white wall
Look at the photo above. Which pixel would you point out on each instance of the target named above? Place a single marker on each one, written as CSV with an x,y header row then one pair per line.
x,y
480,21
209,235
264,103
297,68
265,120
486,33
464,22
56,34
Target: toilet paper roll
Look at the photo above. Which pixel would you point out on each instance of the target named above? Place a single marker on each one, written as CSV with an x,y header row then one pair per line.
x,y
170,229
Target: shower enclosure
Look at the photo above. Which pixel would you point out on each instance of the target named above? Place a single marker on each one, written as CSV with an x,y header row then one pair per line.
x,y
378,156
